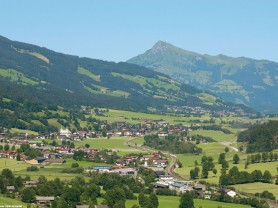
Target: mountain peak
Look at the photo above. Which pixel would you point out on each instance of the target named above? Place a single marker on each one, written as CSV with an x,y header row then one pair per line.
x,y
160,46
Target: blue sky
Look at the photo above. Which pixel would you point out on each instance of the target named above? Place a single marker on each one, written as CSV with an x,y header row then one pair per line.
x,y
117,30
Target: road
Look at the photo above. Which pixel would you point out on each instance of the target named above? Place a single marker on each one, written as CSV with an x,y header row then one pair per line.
x,y
171,157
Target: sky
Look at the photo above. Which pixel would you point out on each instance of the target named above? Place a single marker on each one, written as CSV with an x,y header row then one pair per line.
x,y
116,30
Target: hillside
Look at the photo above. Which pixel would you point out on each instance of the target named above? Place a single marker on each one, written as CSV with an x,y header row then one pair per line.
x,y
260,138
240,80
41,75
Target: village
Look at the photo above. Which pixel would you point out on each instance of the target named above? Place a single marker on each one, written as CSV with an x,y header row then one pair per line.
x,y
55,154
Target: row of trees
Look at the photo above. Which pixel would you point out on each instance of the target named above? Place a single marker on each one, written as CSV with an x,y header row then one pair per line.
x,y
234,176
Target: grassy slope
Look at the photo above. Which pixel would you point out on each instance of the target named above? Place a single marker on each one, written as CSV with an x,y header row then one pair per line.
x,y
173,202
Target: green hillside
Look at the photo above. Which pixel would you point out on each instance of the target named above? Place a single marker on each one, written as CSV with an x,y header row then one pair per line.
x,y
41,75
240,80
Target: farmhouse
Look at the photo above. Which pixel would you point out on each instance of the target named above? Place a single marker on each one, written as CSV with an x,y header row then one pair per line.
x,y
44,200
35,161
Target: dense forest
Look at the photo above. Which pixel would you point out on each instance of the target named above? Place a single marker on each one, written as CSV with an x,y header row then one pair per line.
x,y
260,138
39,74
172,144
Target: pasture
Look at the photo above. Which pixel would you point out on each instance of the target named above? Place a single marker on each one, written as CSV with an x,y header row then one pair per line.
x,y
257,188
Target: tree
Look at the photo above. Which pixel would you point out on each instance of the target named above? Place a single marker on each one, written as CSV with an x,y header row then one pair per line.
x,y
153,200
13,148
7,173
42,179
114,196
72,196
78,155
236,159
1,147
225,165
74,165
221,158
186,200
226,149
18,157
267,177
214,171
28,195
87,145
265,156
62,203
143,200
6,147
271,156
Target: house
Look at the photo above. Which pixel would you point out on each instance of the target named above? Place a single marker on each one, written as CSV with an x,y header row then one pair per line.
x,y
160,185
186,188
35,161
65,132
28,184
82,206
10,188
44,200
125,171
160,163
101,206
176,187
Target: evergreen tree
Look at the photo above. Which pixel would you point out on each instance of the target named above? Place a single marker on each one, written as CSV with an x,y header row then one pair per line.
x,y
186,201
236,159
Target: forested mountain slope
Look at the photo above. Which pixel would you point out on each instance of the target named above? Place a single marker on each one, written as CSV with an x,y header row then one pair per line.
x,y
240,80
39,74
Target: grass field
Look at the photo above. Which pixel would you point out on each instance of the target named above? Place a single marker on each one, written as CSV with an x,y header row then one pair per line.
x,y
218,136
5,201
115,143
50,171
132,117
173,202
257,188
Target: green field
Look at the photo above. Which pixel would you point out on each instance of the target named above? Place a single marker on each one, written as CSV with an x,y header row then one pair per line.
x,y
135,117
115,143
9,201
218,136
50,171
173,202
257,187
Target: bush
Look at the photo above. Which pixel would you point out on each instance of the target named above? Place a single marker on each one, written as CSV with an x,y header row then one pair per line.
x,y
32,168
72,170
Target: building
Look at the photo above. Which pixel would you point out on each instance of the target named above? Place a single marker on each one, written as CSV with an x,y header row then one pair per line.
x,y
44,200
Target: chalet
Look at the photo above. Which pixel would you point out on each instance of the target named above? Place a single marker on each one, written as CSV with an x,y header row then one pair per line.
x,y
82,134
162,134
101,169
65,132
125,171
186,188
10,188
28,184
35,161
200,187
82,206
44,200
62,137
101,206
166,178
160,185
160,163
176,187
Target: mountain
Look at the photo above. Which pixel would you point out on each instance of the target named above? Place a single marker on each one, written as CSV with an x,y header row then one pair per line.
x,y
240,80
41,75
